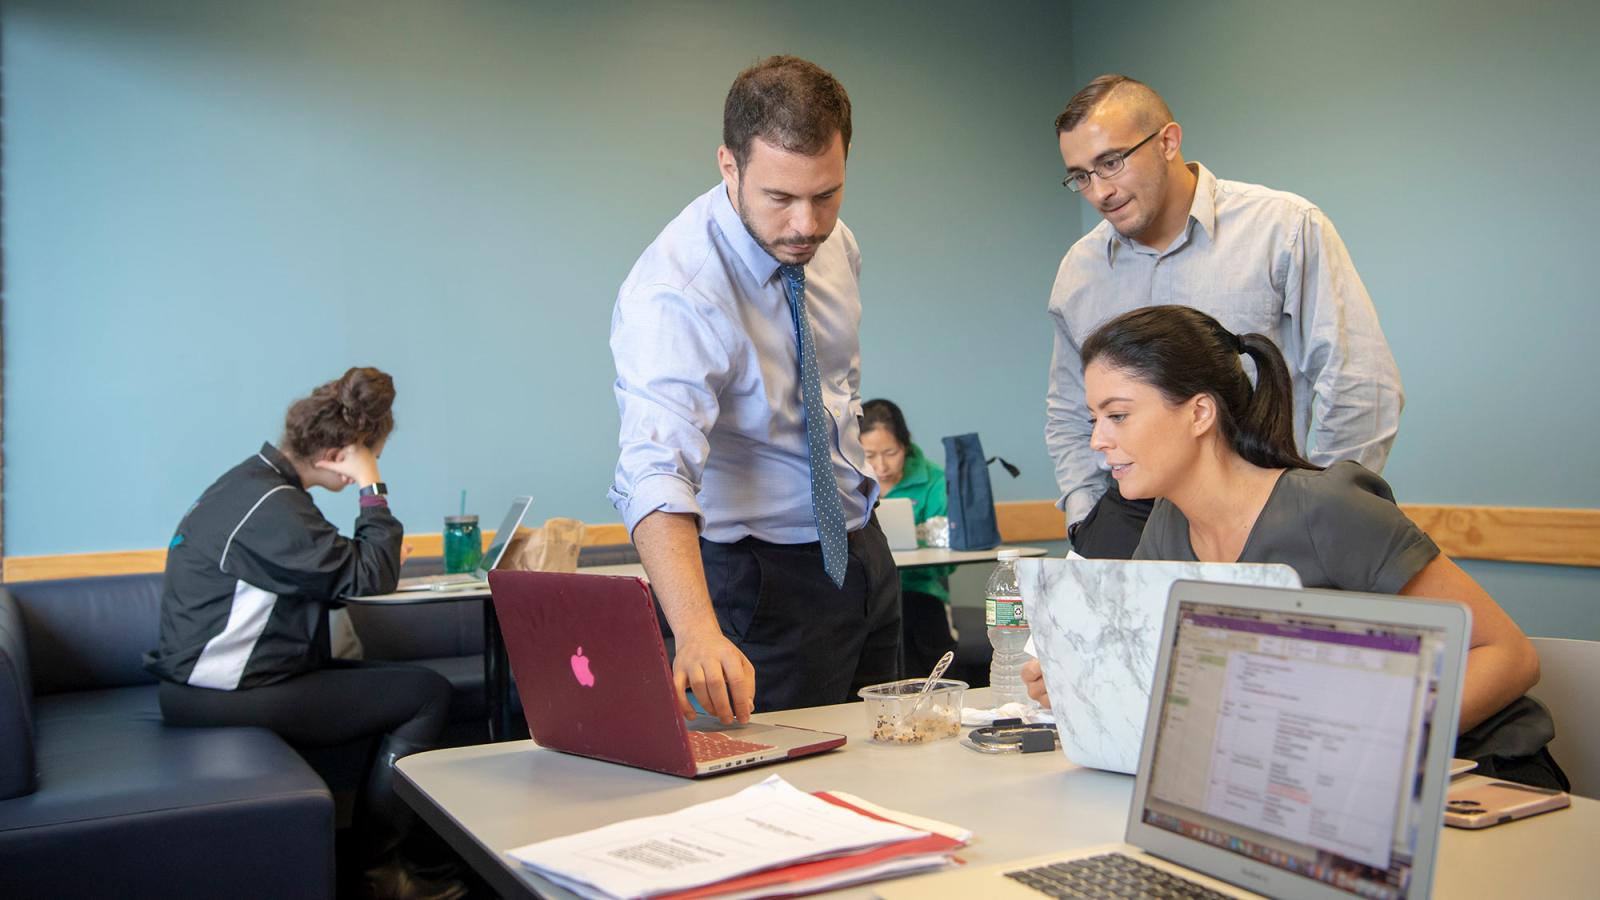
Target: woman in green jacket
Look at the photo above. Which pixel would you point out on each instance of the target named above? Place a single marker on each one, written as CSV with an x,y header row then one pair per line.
x,y
902,471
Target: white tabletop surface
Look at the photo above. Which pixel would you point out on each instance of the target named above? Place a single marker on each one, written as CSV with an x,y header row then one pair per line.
x,y
509,794
406,598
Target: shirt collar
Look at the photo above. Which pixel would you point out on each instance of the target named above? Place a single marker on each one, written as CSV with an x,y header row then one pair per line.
x,y
1204,208
762,265
274,457
1202,212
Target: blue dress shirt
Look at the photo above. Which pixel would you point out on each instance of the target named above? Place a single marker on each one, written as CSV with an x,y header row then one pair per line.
x,y
708,380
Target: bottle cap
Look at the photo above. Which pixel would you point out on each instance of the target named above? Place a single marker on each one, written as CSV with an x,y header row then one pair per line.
x,y
1008,554
461,520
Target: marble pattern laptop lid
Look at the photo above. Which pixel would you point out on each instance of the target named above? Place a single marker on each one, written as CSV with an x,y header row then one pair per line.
x,y
1097,630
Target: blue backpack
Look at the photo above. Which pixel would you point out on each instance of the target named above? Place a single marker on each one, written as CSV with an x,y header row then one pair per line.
x,y
971,496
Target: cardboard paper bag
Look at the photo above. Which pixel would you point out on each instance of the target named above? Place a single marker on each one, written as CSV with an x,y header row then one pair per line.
x,y
553,548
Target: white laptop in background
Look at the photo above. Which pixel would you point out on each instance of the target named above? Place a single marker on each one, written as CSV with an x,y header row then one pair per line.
x,y
1297,745
1097,632
491,557
899,524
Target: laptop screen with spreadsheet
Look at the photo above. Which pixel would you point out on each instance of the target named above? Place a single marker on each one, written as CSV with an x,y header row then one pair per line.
x,y
1297,740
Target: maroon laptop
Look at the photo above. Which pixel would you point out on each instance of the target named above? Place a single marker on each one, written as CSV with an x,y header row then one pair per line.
x,y
595,681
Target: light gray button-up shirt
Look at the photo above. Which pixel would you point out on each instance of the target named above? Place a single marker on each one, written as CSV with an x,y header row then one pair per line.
x,y
708,380
1257,260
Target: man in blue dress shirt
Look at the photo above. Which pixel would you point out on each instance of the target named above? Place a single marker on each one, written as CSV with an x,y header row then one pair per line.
x,y
746,303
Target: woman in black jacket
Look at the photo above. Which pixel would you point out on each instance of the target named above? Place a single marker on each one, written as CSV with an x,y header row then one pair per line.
x,y
251,574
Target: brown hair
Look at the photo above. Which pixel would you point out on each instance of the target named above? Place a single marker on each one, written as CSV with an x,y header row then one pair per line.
x,y
1151,108
355,408
1182,352
787,101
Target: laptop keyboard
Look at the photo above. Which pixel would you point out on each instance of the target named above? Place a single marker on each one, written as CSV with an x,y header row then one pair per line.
x,y
713,745
1108,875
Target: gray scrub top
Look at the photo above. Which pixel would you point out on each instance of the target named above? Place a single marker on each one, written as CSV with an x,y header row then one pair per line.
x,y
1338,527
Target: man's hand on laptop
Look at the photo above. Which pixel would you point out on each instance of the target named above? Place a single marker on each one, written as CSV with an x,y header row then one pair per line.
x,y
1033,680
722,679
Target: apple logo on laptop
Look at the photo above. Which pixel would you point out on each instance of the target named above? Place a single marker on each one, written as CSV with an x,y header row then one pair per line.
x,y
580,669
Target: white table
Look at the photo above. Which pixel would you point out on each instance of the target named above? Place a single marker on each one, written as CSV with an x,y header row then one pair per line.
x,y
489,799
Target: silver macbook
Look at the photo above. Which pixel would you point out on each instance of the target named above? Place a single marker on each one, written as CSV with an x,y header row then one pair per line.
x,y
1297,745
1097,632
898,521
491,557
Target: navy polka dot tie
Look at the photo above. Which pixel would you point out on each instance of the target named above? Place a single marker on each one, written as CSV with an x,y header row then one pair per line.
x,y
825,505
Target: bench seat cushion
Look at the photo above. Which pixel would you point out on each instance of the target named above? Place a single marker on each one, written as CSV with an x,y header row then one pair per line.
x,y
128,806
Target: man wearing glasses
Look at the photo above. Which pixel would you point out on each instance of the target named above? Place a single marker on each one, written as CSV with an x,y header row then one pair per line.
x,y
1256,259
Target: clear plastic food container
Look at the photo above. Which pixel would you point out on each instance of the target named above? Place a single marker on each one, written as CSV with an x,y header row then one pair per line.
x,y
888,704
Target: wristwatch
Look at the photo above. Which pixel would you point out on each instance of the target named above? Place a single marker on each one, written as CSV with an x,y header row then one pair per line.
x,y
375,489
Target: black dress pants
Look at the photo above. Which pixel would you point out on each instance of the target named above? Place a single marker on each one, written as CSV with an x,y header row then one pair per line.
x,y
811,643
1112,529
925,632
341,702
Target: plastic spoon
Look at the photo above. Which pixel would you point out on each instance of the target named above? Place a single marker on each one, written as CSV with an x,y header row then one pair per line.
x,y
927,686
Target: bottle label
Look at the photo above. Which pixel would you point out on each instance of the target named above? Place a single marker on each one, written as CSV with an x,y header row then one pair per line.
x,y
1003,612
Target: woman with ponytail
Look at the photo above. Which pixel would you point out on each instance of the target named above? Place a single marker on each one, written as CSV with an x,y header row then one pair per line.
x,y
1178,419
251,574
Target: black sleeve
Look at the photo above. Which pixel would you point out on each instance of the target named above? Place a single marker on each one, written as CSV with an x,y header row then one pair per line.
x,y
1362,539
287,547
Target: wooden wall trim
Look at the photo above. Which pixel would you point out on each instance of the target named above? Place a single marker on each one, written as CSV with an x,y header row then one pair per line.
x,y
1559,537
133,562
1562,537
1030,521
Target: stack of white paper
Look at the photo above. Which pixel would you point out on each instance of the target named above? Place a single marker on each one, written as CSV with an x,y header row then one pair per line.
x,y
770,825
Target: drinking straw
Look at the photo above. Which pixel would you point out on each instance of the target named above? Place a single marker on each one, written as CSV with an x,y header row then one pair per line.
x,y
463,501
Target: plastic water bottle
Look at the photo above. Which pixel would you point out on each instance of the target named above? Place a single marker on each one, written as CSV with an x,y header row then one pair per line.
x,y
1008,631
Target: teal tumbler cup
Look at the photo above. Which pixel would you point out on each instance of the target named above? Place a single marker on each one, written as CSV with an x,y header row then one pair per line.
x,y
463,543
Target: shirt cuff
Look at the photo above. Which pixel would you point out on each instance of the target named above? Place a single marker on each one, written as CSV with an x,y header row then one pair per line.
x,y
657,493
1078,504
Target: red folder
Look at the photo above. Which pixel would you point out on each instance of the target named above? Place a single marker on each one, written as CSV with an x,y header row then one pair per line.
x,y
792,880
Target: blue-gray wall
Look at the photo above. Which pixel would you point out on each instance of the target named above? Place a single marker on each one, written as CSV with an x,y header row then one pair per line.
x,y
1452,144
209,207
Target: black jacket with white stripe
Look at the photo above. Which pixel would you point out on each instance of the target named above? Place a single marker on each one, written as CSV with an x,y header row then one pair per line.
x,y
251,572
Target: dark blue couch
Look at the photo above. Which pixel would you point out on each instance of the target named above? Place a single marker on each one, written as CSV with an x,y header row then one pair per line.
x,y
98,798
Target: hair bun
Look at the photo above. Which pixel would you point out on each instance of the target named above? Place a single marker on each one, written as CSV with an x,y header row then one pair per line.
x,y
365,397
357,407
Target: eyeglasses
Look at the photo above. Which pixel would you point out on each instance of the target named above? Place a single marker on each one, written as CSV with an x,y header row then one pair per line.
x,y
1108,167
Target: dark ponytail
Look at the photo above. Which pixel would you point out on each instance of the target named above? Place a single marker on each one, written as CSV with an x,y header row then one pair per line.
x,y
1182,352
356,408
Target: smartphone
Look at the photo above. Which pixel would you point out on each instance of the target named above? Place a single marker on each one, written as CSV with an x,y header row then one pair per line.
x,y
1481,805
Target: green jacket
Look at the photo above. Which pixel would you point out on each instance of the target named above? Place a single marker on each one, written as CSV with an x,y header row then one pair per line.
x,y
922,483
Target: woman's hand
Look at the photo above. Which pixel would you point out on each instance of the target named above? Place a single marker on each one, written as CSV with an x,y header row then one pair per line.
x,y
1033,680
356,464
